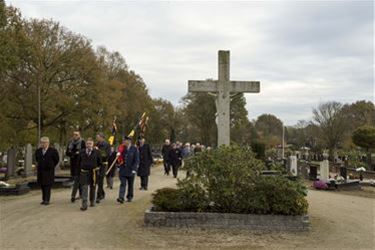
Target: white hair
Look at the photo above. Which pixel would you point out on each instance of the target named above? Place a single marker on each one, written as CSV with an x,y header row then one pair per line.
x,y
44,139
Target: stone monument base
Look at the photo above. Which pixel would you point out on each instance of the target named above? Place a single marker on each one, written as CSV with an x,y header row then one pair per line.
x,y
227,221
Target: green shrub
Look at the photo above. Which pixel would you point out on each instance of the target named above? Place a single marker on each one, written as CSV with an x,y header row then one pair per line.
x,y
191,198
228,180
279,195
166,199
259,149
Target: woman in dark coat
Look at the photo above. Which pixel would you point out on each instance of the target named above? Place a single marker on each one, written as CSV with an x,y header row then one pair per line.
x,y
145,163
47,158
175,156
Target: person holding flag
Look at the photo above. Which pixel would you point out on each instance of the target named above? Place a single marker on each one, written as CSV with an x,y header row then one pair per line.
x,y
113,156
105,151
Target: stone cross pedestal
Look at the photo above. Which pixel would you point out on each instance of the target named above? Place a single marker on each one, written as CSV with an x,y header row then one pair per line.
x,y
223,88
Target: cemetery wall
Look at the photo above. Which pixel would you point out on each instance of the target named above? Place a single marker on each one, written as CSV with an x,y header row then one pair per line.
x,y
228,221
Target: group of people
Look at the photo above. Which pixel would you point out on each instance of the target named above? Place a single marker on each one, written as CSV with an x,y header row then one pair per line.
x,y
90,163
93,162
174,154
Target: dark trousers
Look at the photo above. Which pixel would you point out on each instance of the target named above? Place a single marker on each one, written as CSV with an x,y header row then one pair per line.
x,y
144,181
175,170
110,176
167,167
46,192
101,193
76,187
86,182
109,181
126,180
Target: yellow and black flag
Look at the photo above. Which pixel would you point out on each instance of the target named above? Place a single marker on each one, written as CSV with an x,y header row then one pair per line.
x,y
111,139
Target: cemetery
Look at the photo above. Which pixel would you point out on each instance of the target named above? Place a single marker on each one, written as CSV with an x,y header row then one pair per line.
x,y
116,148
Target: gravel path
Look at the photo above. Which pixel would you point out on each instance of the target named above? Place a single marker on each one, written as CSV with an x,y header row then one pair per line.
x,y
338,222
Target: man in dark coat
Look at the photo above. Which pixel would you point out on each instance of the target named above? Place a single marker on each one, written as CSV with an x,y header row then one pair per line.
x,y
74,148
105,151
89,163
175,157
145,162
165,151
128,169
47,158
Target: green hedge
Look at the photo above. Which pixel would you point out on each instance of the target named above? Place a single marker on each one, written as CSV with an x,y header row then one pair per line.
x,y
228,180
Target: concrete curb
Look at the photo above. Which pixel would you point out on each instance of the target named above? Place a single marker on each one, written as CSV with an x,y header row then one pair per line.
x,y
227,221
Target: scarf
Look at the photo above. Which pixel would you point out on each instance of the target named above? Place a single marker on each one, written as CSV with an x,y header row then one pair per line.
x,y
75,143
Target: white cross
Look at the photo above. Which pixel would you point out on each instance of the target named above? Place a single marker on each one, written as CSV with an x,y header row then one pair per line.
x,y
223,89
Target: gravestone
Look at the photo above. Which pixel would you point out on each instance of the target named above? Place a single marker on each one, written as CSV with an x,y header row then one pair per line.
x,y
293,165
313,175
343,172
304,171
11,162
222,89
61,155
324,170
28,161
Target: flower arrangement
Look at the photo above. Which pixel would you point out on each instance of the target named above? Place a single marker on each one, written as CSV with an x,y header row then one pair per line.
x,y
321,185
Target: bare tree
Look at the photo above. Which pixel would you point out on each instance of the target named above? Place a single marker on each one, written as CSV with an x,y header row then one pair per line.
x,y
332,125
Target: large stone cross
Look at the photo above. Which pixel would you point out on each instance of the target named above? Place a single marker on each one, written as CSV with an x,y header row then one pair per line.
x,y
223,88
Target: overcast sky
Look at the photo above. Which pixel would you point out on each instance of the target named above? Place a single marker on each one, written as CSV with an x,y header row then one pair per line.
x,y
304,53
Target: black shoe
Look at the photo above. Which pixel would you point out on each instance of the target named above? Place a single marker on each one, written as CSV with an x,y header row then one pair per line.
x,y
83,208
42,203
145,188
98,201
46,203
120,200
141,188
72,200
128,200
92,204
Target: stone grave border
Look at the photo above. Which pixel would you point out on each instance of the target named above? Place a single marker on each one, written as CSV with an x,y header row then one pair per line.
x,y
227,221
